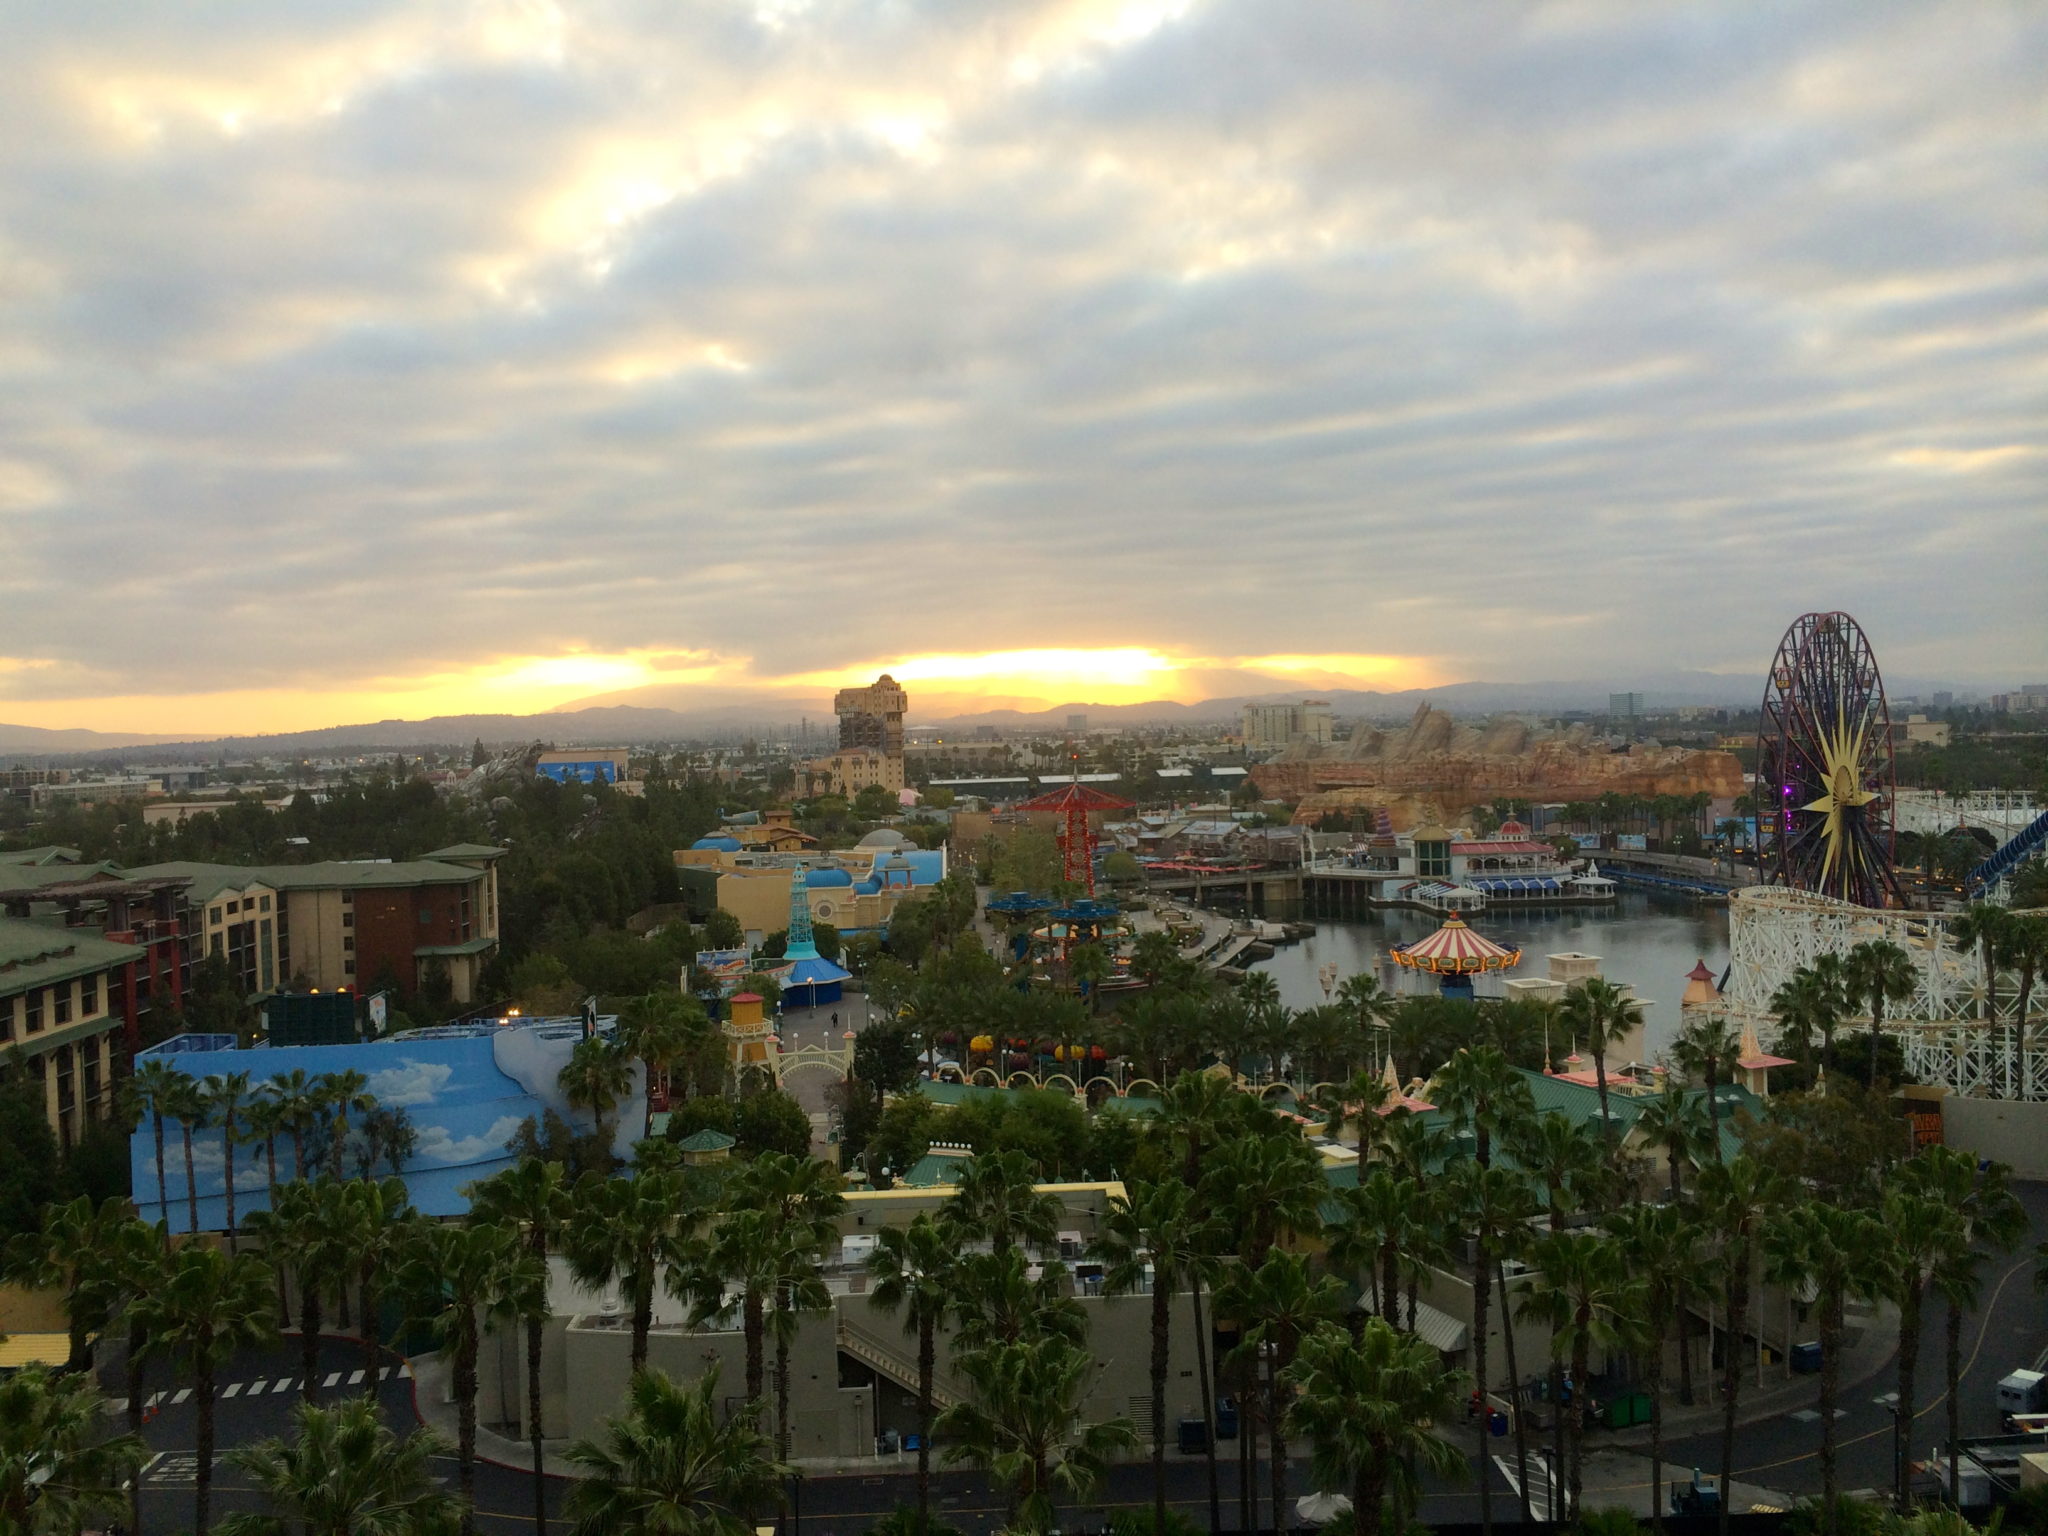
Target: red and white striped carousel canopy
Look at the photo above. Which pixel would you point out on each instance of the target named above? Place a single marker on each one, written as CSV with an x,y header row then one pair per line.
x,y
1455,948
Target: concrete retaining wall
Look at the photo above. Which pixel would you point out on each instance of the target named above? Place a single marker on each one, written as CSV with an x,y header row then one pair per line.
x,y
2005,1129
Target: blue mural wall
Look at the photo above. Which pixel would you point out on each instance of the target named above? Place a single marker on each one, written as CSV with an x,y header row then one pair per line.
x,y
465,1097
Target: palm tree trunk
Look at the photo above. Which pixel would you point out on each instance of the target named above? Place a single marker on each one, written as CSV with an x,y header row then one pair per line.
x,y
1910,1305
1578,1447
1208,1407
643,1321
1830,1388
1482,1285
781,1394
534,1327
202,1447
754,1328
465,1405
298,1153
1162,1340
1876,1030
228,1143
1679,1309
1507,1334
373,1365
1560,1500
927,1368
309,1338
1656,1372
138,1341
1276,1439
163,1193
1954,1371
1714,1118
1731,1370
270,1164
191,1180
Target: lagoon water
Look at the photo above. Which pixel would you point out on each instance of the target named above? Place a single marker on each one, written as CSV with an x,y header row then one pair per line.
x,y
1648,941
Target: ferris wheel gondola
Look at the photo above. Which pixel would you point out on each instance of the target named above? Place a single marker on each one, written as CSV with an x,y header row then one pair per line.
x,y
1824,781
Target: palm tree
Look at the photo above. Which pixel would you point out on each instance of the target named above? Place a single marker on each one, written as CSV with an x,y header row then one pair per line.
x,y
1088,968
185,1102
997,1197
153,1089
746,1253
1369,1006
1704,1049
661,1029
1279,1305
998,1299
1479,1091
126,1264
1990,1216
299,1097
265,1118
1496,1207
1024,1426
459,1280
1805,1006
1155,1238
1675,1122
597,1077
343,1473
208,1307
1359,1105
61,1256
531,1198
305,1236
1735,1198
58,1467
227,1097
1984,925
1197,1109
672,1463
636,1231
1921,1232
915,1268
1602,1015
1380,1229
1270,1185
1370,1406
1564,1157
377,1216
1840,1253
341,1093
799,1288
1879,972
1585,1293
1666,1247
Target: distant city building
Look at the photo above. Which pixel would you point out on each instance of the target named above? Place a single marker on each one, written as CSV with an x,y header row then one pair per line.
x,y
1625,705
2031,699
847,773
91,791
872,717
1920,731
1943,699
1077,725
1284,725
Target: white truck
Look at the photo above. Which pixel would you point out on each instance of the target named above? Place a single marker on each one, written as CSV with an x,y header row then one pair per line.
x,y
2019,1393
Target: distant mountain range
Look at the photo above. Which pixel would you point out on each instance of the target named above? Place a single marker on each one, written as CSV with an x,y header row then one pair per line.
x,y
730,717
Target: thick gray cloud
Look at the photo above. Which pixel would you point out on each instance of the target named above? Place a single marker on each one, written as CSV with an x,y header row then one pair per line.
x,y
342,341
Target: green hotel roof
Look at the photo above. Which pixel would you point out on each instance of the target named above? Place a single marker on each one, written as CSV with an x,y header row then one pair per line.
x,y
465,851
39,955
49,853
706,1140
209,880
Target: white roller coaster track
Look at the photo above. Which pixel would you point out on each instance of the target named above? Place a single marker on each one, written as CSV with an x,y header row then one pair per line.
x,y
1772,931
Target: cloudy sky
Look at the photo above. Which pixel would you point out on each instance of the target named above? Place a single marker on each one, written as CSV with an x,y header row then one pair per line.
x,y
363,359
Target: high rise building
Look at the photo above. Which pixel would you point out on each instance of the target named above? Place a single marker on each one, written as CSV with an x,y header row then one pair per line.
x,y
1625,705
871,718
1281,725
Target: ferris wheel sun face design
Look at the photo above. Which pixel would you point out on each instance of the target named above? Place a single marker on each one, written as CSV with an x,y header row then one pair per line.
x,y
1824,766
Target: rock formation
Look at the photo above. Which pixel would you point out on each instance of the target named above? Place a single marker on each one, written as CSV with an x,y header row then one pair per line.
x,y
1436,767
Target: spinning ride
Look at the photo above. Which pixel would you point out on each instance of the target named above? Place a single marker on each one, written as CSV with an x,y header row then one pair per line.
x,y
1824,766
1454,954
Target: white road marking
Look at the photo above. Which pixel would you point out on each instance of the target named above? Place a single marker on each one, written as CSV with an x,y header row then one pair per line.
x,y
230,1390
183,1393
332,1378
356,1380
285,1383
260,1386
155,1400
1539,1481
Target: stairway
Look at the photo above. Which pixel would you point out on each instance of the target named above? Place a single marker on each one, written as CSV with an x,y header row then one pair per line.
x,y
2003,862
895,1359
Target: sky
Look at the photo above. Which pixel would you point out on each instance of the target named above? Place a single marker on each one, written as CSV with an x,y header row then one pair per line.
x,y
365,360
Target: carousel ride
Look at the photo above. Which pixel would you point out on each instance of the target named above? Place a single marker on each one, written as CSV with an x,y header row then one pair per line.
x,y
1454,954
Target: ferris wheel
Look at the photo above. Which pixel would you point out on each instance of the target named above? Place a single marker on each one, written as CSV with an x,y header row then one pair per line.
x,y
1824,766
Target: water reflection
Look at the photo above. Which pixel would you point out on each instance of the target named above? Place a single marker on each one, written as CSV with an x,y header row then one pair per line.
x,y
1647,941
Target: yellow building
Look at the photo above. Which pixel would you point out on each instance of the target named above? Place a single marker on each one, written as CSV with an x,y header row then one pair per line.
x,y
853,889
59,991
849,772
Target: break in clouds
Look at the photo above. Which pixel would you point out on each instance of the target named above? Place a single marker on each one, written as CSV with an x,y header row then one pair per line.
x,y
359,340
